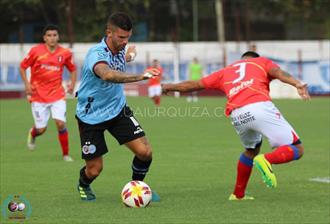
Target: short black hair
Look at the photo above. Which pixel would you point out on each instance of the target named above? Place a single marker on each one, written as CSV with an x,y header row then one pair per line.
x,y
50,27
121,20
251,54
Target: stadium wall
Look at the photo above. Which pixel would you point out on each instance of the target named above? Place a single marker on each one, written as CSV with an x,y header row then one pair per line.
x,y
306,60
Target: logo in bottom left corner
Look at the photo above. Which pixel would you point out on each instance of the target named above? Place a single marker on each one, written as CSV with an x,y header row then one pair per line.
x,y
16,207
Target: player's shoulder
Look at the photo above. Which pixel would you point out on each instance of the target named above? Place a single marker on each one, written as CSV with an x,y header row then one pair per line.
x,y
261,59
38,47
64,50
99,50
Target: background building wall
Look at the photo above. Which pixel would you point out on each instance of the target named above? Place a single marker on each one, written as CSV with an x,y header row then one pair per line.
x,y
306,60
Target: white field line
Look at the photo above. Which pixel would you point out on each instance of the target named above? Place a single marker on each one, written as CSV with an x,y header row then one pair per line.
x,y
321,179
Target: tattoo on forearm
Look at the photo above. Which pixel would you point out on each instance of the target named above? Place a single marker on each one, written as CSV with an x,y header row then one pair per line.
x,y
115,76
122,78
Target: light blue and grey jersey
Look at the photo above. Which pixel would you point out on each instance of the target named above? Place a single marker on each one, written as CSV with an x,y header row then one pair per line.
x,y
99,100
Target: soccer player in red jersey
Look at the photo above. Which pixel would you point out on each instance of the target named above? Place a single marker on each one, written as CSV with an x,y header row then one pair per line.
x,y
45,90
253,115
154,87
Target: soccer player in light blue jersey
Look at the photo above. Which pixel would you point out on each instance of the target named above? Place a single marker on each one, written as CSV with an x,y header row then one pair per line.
x,y
102,105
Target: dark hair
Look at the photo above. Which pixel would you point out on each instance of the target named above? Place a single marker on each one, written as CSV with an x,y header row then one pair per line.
x,y
50,27
121,20
251,54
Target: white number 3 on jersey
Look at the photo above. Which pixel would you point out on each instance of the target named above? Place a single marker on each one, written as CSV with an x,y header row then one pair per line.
x,y
240,70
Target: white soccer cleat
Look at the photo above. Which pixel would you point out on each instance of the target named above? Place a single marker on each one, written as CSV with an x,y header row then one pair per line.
x,y
67,158
31,142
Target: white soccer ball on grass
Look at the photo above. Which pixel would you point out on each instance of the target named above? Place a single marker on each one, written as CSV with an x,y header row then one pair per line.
x,y
136,194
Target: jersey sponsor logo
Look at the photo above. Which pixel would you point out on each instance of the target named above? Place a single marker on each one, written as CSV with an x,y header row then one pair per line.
x,y
241,86
51,67
60,58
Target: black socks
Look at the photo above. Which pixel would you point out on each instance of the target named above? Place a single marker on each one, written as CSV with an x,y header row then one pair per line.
x,y
84,181
140,168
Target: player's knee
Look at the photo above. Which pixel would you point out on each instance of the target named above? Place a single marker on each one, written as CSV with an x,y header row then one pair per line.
x,y
253,152
60,125
250,153
145,155
94,170
300,150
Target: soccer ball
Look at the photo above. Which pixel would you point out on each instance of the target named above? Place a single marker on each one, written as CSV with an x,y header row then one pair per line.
x,y
21,206
136,194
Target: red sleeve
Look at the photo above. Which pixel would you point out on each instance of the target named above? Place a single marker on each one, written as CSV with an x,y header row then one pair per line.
x,y
29,59
269,64
69,63
213,81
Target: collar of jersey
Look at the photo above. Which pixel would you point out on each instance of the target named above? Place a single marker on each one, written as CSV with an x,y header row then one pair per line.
x,y
106,47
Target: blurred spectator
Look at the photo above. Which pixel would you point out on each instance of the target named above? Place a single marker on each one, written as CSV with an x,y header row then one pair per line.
x,y
195,73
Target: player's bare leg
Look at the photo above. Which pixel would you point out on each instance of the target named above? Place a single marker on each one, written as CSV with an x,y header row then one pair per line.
x,y
88,174
33,133
142,160
63,137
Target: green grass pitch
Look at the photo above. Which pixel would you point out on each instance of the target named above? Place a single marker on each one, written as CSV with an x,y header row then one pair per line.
x,y
195,153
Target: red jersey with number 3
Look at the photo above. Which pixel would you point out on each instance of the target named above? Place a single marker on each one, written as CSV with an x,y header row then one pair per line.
x,y
244,82
46,72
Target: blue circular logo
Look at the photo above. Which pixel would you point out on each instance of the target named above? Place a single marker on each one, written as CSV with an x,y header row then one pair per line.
x,y
92,149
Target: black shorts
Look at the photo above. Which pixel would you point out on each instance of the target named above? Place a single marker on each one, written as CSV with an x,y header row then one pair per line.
x,y
124,128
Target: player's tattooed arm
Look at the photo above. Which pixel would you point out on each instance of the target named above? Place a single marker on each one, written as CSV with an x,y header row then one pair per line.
x,y
186,86
285,77
103,71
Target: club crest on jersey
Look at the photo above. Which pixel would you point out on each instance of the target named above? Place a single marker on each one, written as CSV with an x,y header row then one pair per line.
x,y
88,148
60,58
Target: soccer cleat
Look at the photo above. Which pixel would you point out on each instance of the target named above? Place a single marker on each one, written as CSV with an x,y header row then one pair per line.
x,y
233,197
31,142
155,197
67,158
266,171
86,193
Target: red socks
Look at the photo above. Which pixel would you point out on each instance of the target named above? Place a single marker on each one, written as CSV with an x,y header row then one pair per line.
x,y
34,132
244,169
157,100
63,137
282,154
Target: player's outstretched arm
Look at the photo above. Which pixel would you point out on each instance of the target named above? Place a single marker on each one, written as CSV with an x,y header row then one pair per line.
x,y
285,77
107,74
186,86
